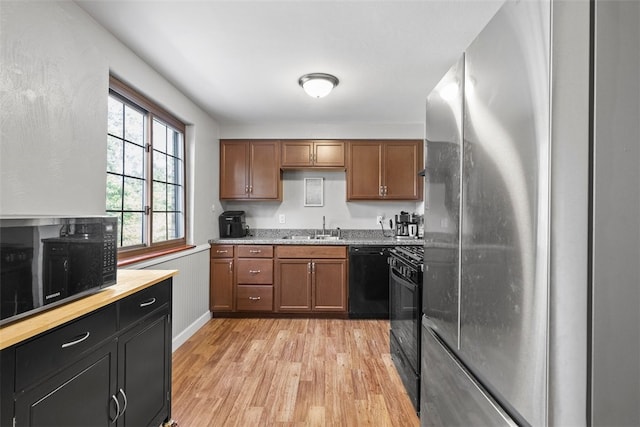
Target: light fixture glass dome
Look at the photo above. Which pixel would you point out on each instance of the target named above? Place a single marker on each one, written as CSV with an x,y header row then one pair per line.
x,y
318,85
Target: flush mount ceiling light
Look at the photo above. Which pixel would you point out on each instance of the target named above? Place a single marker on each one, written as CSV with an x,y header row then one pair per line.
x,y
318,85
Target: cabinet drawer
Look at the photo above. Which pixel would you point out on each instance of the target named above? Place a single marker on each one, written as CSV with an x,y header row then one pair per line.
x,y
254,271
138,305
222,251
311,251
254,298
255,251
52,351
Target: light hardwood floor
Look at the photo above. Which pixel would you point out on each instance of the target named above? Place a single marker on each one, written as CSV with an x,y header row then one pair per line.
x,y
289,372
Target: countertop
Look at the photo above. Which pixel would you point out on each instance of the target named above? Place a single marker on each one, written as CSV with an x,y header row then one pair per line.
x,y
349,238
129,282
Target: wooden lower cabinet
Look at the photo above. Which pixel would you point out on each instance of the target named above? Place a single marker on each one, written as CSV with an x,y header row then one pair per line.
x,y
221,278
293,284
281,279
317,284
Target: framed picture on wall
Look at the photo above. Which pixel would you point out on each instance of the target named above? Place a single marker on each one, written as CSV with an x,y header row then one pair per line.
x,y
314,191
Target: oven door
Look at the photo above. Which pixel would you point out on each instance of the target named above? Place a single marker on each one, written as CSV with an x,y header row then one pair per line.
x,y
404,312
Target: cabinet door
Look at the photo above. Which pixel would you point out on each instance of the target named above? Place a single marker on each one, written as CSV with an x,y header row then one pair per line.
x,y
221,284
144,372
82,395
329,285
297,154
265,180
234,170
328,154
402,162
364,171
293,285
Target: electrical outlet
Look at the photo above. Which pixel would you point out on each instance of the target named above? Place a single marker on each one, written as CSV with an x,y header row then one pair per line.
x,y
379,219
281,219
444,223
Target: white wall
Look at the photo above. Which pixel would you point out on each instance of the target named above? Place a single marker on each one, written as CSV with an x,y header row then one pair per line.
x,y
337,211
53,87
54,84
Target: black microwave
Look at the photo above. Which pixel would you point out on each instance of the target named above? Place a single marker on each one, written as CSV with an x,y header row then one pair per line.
x,y
48,261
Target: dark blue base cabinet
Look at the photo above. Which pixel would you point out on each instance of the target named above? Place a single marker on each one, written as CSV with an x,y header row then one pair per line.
x,y
111,367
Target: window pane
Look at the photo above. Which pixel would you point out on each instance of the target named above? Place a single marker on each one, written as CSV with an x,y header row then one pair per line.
x,y
133,194
159,136
133,125
132,229
171,169
114,155
114,192
134,160
159,227
159,196
173,225
172,203
159,166
174,143
114,117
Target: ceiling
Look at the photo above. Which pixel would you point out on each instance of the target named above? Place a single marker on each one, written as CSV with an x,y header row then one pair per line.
x,y
241,60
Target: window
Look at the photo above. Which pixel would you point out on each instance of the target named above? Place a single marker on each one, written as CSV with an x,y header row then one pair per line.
x,y
145,173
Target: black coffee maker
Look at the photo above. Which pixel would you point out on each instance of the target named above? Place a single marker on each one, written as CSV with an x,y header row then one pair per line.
x,y
232,224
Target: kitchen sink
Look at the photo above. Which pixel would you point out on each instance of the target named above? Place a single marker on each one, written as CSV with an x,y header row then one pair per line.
x,y
320,237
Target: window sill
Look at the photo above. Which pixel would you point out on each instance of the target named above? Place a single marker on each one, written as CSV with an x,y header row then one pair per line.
x,y
124,260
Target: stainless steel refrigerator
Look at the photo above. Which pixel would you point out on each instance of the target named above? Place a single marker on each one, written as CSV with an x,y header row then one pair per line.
x,y
532,159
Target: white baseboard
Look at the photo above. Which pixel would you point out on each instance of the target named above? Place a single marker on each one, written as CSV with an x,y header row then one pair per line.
x,y
183,336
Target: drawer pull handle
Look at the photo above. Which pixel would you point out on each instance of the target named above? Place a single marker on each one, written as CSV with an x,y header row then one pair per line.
x,y
148,303
254,251
78,341
113,397
254,271
254,298
218,251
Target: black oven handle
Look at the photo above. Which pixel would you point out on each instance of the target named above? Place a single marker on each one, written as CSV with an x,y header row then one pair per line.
x,y
402,280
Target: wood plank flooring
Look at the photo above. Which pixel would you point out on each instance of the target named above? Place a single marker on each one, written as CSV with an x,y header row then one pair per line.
x,y
289,372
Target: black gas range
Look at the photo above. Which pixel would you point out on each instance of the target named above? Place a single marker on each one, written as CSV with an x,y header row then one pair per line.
x,y
408,261
405,309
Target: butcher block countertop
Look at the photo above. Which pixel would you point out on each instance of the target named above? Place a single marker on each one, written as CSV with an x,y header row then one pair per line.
x,y
129,282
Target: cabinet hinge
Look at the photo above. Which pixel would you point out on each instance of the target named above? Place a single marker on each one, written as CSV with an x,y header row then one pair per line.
x,y
147,210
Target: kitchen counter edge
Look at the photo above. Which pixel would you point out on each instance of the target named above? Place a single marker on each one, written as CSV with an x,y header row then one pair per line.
x,y
388,241
129,282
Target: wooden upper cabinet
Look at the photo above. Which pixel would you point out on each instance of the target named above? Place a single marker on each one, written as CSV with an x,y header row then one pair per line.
x,y
313,154
384,170
250,170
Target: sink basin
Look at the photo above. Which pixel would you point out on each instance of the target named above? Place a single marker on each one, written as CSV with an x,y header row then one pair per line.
x,y
327,238
320,237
